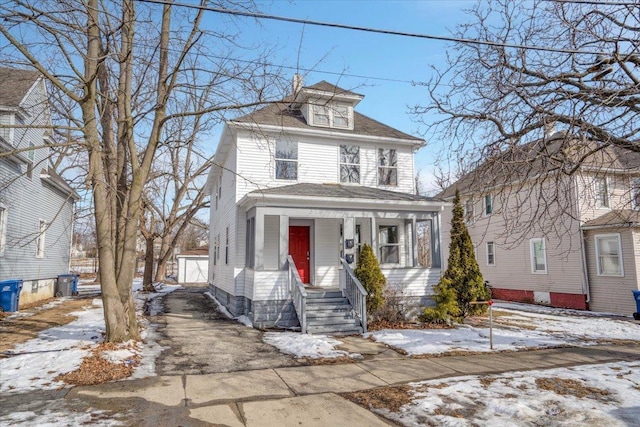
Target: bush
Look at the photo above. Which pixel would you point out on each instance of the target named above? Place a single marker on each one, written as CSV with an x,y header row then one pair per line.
x,y
371,277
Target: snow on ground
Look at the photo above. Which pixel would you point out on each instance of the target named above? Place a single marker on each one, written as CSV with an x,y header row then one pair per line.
x,y
516,329
34,364
595,395
306,345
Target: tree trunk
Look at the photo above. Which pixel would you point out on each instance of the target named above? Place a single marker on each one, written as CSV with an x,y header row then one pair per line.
x,y
147,280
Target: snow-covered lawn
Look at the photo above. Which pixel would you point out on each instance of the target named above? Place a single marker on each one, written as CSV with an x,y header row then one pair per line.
x,y
516,327
595,395
306,345
35,364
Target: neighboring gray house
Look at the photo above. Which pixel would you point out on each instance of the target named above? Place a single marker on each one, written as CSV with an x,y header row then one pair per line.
x,y
36,204
297,188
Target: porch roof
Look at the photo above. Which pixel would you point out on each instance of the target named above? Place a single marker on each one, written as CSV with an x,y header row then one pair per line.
x,y
337,193
615,218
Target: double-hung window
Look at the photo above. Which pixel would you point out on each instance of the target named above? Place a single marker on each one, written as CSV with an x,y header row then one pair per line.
x,y
215,250
602,193
538,255
387,166
40,241
226,248
321,115
340,116
3,229
389,244
219,191
491,253
635,193
286,157
609,255
469,212
488,204
350,164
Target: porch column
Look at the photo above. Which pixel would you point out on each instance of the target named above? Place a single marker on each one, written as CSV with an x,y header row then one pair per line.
x,y
436,241
284,240
349,233
374,237
414,240
259,240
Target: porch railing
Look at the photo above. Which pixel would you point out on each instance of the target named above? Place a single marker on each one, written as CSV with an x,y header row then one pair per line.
x,y
298,294
356,294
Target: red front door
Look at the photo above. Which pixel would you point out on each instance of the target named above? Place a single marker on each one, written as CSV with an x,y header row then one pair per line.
x,y
299,250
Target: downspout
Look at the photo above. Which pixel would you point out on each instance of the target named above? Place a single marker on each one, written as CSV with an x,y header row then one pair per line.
x,y
585,275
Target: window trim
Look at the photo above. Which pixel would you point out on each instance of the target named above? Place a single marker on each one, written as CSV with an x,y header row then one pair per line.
x,y
596,238
378,167
493,253
469,215
3,229
340,164
277,159
634,187
532,243
329,109
41,239
486,205
397,244
607,193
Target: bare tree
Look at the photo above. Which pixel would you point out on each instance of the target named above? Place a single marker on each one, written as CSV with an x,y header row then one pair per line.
x,y
119,66
549,89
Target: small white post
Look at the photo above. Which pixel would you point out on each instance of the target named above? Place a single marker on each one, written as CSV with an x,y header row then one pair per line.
x,y
490,325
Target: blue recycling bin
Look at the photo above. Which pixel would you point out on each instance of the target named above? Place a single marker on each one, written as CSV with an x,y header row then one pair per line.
x,y
636,297
67,285
10,294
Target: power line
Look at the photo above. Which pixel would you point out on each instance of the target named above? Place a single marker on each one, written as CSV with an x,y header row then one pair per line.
x,y
596,2
366,29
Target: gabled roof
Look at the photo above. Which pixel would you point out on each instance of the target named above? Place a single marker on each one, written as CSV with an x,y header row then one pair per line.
x,y
287,114
15,84
52,178
615,218
558,152
338,191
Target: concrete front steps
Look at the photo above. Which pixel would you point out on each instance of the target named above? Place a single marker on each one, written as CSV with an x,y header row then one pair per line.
x,y
328,312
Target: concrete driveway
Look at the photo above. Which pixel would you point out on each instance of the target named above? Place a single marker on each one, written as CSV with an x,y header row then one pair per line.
x,y
201,340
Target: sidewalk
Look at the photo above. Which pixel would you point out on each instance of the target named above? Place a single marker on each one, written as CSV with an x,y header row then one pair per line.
x,y
307,396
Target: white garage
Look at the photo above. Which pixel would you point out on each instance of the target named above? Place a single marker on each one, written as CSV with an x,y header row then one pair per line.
x,y
193,266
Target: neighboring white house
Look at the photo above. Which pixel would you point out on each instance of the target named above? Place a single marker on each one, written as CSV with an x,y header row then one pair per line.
x,y
304,183
36,204
543,235
193,266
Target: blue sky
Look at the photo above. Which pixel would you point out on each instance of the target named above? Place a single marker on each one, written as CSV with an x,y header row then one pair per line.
x,y
364,54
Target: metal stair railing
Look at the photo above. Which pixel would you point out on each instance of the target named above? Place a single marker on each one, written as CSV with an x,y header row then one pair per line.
x,y
356,294
298,294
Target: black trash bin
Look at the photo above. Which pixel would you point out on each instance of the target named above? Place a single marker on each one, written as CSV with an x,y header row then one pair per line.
x,y
67,285
10,294
636,297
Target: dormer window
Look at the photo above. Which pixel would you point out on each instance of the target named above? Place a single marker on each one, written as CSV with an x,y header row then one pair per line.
x,y
332,114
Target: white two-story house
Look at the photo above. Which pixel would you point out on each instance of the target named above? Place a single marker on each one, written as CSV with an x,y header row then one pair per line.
x,y
297,188
557,222
36,204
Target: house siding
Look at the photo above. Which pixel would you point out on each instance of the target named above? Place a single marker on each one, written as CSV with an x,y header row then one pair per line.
x,y
512,269
612,294
327,245
29,200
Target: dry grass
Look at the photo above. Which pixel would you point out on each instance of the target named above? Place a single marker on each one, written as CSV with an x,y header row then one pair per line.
x,y
569,387
97,370
329,360
377,325
391,397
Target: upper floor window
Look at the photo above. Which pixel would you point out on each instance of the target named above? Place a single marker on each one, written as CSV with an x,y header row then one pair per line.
x,y
389,244
635,193
6,133
286,159
226,248
3,229
219,190
469,212
538,255
387,166
602,193
350,164
488,204
40,241
609,255
331,114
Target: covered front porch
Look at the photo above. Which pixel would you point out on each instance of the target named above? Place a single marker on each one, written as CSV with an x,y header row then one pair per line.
x,y
323,239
